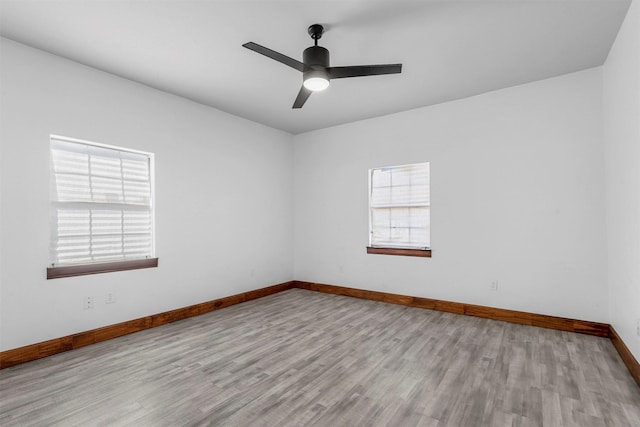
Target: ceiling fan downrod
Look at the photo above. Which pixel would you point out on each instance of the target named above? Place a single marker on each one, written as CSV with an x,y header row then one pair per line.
x,y
315,31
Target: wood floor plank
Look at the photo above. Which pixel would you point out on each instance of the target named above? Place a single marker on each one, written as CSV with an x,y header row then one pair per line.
x,y
303,358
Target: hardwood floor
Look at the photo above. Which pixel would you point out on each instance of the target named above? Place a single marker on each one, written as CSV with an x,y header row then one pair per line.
x,y
300,358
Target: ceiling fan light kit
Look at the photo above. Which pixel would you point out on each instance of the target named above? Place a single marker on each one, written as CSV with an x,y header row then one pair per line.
x,y
316,69
316,84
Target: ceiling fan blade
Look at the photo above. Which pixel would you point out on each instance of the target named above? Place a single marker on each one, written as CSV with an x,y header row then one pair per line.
x,y
302,97
363,70
284,59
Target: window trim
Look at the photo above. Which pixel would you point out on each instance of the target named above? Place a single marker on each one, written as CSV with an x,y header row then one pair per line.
x,y
383,250
97,267
100,267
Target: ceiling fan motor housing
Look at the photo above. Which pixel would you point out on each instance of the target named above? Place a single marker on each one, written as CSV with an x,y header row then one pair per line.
x,y
316,58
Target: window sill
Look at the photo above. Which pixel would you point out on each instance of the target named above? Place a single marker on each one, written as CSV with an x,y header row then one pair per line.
x,y
425,253
103,267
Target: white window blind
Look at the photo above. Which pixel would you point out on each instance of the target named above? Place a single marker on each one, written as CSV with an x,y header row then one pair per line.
x,y
399,206
101,203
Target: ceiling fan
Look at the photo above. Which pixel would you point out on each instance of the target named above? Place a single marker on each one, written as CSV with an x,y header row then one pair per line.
x,y
316,72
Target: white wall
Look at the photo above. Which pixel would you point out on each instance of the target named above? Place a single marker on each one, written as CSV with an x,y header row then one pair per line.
x,y
622,173
223,197
517,196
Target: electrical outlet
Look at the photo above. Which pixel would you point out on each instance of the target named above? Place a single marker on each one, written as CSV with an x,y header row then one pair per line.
x,y
110,298
494,285
638,327
88,303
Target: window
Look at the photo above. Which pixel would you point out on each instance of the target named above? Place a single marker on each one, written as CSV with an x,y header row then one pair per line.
x,y
399,210
101,208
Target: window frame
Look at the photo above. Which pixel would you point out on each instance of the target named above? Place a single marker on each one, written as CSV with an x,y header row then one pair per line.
x,y
109,265
424,252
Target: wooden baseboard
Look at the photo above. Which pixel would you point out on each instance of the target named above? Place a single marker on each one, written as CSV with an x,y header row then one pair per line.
x,y
523,318
58,345
627,357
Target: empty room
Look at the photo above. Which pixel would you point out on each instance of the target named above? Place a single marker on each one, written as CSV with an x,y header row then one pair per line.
x,y
320,213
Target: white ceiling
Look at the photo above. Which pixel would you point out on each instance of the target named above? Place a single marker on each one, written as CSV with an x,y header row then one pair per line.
x,y
449,49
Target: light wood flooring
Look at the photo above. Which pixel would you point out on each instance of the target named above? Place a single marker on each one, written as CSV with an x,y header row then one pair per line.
x,y
302,358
